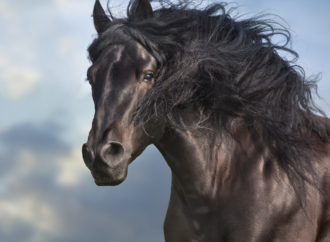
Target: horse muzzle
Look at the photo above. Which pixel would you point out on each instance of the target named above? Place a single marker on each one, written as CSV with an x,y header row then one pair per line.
x,y
109,165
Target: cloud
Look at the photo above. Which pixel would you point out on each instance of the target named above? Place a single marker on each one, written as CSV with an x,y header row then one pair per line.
x,y
29,153
47,193
25,214
50,196
17,82
72,169
28,171
18,75
5,10
29,212
40,139
65,45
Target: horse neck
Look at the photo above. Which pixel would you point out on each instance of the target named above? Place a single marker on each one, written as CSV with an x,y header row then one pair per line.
x,y
202,162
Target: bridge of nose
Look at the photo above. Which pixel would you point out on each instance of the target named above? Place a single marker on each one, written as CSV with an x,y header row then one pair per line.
x,y
113,115
109,131
110,123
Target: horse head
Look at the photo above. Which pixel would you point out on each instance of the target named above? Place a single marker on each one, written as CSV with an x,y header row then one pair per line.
x,y
120,77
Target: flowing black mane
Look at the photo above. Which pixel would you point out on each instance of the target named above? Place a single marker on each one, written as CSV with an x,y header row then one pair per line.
x,y
227,69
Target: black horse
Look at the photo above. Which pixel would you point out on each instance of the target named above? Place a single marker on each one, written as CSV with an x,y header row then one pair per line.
x,y
234,120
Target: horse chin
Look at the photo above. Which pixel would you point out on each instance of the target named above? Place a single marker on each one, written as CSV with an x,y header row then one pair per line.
x,y
110,177
108,183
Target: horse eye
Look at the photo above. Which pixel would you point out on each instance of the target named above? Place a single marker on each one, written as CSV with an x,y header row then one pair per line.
x,y
148,77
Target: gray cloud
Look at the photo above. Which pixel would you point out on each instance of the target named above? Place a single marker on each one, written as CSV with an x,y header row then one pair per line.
x,y
38,139
133,211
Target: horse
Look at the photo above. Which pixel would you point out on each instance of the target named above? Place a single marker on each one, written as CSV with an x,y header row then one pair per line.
x,y
235,121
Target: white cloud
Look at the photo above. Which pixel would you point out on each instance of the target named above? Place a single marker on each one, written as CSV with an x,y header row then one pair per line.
x,y
17,76
65,45
16,81
61,1
30,211
5,9
72,169
23,165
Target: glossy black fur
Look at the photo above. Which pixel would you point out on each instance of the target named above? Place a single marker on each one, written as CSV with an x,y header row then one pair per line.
x,y
234,120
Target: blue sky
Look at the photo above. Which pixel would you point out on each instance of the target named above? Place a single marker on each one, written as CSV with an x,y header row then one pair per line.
x,y
46,192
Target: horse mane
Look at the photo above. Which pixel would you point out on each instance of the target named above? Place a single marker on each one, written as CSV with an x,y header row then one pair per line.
x,y
227,68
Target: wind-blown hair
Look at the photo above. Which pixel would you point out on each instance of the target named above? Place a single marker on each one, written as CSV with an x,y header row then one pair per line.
x,y
227,69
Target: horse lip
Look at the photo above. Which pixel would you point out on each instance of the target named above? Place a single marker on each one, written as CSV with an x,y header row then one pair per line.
x,y
109,176
106,182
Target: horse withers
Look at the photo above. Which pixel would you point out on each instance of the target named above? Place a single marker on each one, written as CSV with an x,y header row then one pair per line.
x,y
235,122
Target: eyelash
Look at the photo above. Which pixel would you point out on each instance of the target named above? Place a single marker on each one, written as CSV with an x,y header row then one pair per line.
x,y
88,80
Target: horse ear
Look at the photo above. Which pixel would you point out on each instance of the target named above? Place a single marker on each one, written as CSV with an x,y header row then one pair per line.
x,y
101,20
143,10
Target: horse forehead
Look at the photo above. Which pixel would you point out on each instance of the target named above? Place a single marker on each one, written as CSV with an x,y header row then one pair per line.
x,y
110,55
130,53
138,53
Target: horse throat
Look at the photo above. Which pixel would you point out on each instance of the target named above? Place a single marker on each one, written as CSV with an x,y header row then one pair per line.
x,y
195,161
206,168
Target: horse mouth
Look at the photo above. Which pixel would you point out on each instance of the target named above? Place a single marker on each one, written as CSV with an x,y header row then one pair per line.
x,y
103,179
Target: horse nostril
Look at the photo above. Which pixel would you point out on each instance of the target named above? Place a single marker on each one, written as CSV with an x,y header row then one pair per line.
x,y
115,149
88,156
112,153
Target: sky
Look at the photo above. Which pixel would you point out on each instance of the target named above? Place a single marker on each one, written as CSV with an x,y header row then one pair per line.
x,y
46,192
